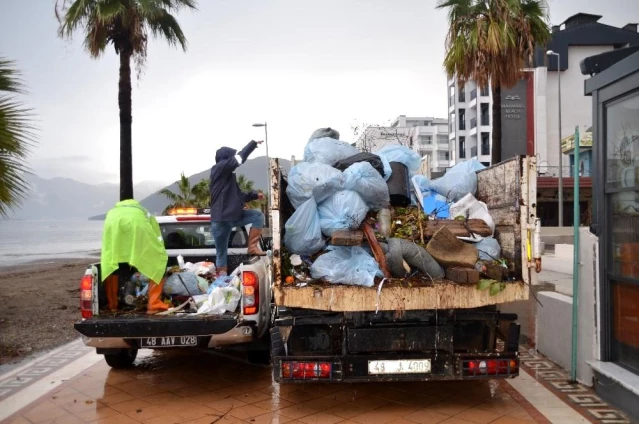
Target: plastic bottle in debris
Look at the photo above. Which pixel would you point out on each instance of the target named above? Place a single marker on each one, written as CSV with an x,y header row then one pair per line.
x,y
384,220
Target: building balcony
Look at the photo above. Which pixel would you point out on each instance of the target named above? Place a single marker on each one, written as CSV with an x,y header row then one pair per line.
x,y
473,152
473,94
473,123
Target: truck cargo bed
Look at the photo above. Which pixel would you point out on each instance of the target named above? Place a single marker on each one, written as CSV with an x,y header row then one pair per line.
x,y
509,191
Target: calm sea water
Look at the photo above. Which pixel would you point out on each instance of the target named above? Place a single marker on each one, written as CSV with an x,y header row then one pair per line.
x,y
27,241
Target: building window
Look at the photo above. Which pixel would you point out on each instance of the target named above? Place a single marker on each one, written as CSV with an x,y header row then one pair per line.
x,y
462,119
426,139
462,95
462,147
486,164
443,156
442,139
621,187
485,114
485,144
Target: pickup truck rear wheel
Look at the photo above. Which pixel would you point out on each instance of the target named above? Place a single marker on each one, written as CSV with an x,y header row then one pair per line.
x,y
122,359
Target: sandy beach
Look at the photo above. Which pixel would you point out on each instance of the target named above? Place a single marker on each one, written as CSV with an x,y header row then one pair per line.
x,y
40,303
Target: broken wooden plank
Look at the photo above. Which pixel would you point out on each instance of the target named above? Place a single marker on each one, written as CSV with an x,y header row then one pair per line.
x,y
347,238
449,251
376,248
442,295
462,275
458,228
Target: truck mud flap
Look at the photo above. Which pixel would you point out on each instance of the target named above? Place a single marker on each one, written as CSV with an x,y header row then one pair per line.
x,y
134,327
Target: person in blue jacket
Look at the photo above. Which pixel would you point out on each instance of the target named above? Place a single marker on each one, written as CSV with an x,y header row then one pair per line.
x,y
227,204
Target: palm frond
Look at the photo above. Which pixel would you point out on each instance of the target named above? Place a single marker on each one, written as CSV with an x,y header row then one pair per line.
x,y
17,137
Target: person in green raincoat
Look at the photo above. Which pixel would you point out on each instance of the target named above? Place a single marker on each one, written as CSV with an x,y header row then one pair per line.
x,y
132,236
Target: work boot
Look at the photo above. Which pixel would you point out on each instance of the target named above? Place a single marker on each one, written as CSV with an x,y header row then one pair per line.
x,y
155,303
254,241
221,271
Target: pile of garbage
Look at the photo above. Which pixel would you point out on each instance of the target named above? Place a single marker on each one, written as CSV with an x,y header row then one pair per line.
x,y
189,289
363,217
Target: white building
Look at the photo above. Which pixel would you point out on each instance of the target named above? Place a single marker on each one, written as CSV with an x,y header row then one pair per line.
x,y
470,122
530,110
428,136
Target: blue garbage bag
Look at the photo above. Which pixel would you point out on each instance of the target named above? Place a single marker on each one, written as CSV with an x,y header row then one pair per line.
x,y
489,249
460,180
435,204
317,180
303,234
328,151
344,210
346,265
365,180
387,168
401,154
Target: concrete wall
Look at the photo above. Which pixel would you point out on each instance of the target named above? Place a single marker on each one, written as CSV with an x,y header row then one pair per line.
x,y
554,327
554,318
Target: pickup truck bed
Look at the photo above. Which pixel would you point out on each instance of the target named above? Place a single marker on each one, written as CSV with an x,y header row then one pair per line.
x,y
509,191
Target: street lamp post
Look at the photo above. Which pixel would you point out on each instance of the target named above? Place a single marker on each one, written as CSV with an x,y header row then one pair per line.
x,y
561,169
268,163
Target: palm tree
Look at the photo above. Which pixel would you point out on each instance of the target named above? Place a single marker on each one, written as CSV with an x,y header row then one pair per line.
x,y
187,195
126,25
491,41
246,186
16,139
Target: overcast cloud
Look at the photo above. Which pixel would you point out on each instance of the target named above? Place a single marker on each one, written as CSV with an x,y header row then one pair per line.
x,y
297,64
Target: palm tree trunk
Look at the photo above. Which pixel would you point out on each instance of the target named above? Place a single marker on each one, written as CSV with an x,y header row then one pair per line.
x,y
496,148
124,101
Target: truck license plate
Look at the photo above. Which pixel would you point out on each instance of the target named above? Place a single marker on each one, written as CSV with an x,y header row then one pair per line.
x,y
170,341
410,366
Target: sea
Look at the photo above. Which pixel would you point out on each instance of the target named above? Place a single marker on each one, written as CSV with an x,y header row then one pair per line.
x,y
46,241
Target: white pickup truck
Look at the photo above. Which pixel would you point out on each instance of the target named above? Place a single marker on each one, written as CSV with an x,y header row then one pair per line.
x,y
119,336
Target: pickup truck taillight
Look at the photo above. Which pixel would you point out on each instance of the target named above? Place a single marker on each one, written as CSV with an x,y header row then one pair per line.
x,y
86,296
250,292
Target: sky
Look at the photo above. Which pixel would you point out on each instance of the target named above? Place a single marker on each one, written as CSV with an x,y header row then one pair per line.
x,y
296,64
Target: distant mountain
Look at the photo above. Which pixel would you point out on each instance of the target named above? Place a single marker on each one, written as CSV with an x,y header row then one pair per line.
x,y
67,199
254,170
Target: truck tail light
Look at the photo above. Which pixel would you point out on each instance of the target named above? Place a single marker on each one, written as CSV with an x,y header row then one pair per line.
x,y
306,370
490,367
250,293
86,296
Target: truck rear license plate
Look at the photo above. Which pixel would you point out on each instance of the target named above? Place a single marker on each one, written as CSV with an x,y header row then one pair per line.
x,y
409,366
170,341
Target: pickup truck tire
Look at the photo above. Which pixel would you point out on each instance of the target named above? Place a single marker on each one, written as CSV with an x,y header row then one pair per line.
x,y
277,343
122,359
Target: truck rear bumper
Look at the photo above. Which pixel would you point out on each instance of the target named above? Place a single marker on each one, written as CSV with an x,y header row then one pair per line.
x,y
355,368
104,333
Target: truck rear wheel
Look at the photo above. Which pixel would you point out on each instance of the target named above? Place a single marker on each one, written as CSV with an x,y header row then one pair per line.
x,y
277,343
122,359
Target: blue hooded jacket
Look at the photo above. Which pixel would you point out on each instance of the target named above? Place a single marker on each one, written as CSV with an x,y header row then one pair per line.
x,y
227,200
